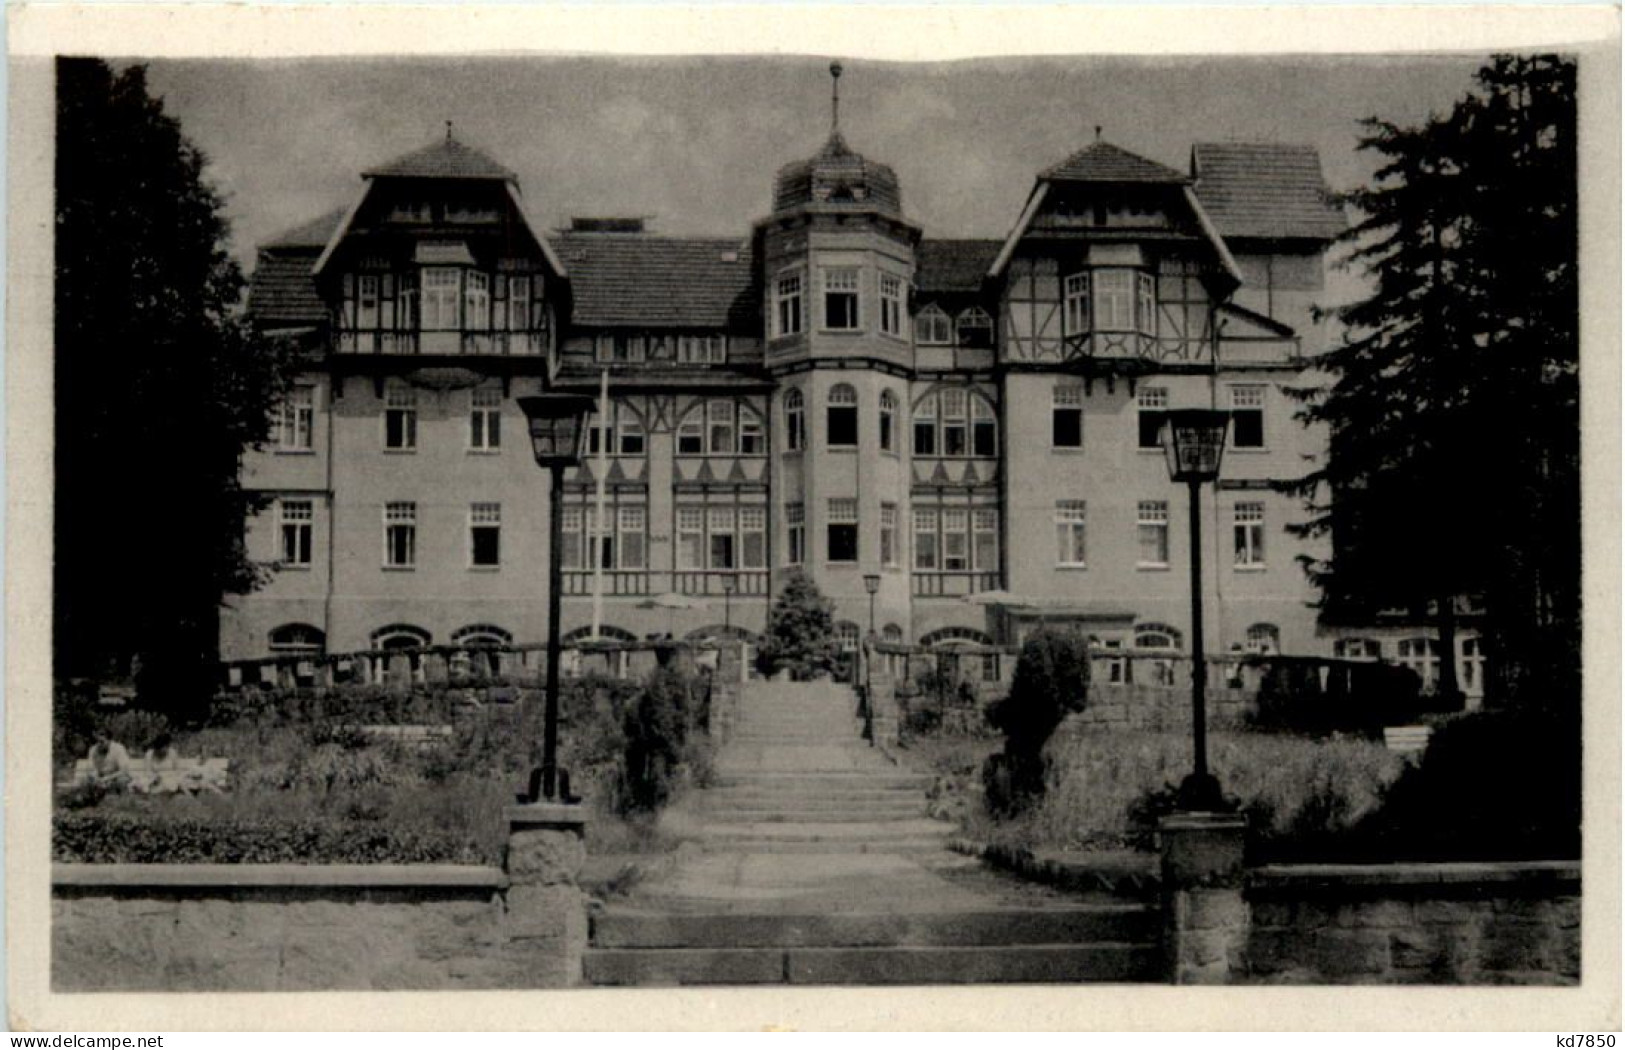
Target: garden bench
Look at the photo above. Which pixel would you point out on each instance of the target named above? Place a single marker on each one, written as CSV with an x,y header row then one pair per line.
x,y
420,735
212,772
1410,741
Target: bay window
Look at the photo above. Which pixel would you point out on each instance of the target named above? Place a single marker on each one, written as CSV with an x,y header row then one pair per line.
x,y
1114,300
841,419
439,299
477,300
842,531
787,313
891,304
841,310
1076,296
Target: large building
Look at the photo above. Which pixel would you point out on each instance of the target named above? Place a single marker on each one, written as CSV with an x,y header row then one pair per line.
x,y
827,387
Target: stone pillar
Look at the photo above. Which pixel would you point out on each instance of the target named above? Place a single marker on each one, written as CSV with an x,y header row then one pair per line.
x,y
546,927
1204,914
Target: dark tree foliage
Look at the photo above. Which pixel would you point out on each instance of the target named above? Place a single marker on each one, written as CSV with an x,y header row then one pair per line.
x,y
1051,681
800,631
159,388
1453,409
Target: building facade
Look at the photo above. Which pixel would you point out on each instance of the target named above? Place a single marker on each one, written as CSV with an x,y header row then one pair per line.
x,y
829,388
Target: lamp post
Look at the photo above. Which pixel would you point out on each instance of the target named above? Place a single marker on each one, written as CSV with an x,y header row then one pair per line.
x,y
728,585
871,584
558,432
1193,441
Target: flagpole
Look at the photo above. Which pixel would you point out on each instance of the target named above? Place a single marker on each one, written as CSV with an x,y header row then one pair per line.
x,y
605,435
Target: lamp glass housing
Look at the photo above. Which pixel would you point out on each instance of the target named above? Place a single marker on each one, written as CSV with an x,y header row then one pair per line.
x,y
871,582
1193,442
558,427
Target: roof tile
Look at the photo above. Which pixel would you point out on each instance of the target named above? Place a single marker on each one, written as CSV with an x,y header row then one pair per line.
x,y
1265,189
953,265
637,280
444,159
1104,162
282,291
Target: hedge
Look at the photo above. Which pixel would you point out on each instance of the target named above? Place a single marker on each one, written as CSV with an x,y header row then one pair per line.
x,y
109,839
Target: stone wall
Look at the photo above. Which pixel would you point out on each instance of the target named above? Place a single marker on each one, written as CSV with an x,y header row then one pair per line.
x,y
1160,708
1413,924
337,927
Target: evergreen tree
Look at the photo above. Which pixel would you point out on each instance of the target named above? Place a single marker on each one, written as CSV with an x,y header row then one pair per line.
x,y
1453,468
800,630
159,388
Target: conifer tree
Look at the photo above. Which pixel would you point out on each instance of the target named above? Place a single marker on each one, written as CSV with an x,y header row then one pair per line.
x,y
800,630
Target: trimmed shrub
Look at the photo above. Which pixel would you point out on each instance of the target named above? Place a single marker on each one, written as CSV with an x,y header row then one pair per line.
x,y
109,839
800,631
1051,681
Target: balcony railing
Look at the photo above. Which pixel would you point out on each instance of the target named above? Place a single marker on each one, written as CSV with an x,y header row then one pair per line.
x,y
640,583
463,344
953,584
747,583
615,582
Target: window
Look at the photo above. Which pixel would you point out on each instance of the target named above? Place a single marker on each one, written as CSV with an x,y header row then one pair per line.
x,y
925,426
719,418
400,636
1113,300
570,546
690,537
984,429
1069,532
1264,639
842,530
925,539
888,420
891,633
975,328
400,535
841,298
841,424
795,421
1247,416
787,305
888,534
367,301
932,327
702,349
485,418
891,305
985,536
633,527
1152,402
477,300
1066,417
1422,656
1249,535
481,635
518,303
753,537
955,423
1155,636
1076,292
294,519
400,418
440,287
1357,649
297,638
717,427
628,433
720,524
485,535
846,636
795,520
1471,667
752,436
1153,534
955,539
621,544
623,348
691,434
1145,286
297,422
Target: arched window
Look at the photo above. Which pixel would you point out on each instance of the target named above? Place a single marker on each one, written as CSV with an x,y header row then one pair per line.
x,y
795,421
841,423
1264,639
952,422
623,435
846,635
1156,636
932,327
298,638
888,421
721,426
716,631
1357,649
891,633
400,636
974,328
606,633
945,637
481,634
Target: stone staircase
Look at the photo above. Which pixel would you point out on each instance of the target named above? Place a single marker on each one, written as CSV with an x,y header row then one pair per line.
x,y
810,860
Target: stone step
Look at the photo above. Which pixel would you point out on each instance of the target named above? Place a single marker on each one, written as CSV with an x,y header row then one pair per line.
x,y
900,845
911,964
833,835
878,780
821,814
1067,924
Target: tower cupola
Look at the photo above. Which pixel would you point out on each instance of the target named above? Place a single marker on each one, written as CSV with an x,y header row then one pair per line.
x,y
838,175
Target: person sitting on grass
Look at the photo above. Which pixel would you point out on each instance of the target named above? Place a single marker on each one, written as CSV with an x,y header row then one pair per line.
x,y
165,776
109,764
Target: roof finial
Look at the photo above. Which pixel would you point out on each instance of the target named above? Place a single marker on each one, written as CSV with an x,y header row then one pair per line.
x,y
448,131
1097,132
835,98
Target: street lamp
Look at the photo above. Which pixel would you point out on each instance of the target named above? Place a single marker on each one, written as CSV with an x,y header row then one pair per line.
x,y
728,585
871,584
1193,441
558,433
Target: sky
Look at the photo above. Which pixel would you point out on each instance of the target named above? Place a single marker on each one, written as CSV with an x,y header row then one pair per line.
x,y
692,143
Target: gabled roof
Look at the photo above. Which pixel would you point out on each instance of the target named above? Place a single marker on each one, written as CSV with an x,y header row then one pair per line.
x,y
1265,189
282,292
635,280
1104,162
947,266
443,159
313,234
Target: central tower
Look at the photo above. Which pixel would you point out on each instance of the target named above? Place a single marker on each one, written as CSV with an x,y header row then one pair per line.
x,y
838,262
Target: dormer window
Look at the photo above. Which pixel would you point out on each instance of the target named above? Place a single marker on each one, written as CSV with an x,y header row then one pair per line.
x,y
975,328
932,327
